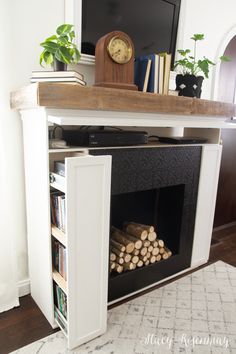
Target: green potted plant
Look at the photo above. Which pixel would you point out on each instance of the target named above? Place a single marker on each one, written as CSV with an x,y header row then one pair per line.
x,y
60,49
189,82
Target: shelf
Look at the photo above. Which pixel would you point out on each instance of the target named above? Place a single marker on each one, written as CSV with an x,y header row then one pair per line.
x,y
58,234
61,282
64,96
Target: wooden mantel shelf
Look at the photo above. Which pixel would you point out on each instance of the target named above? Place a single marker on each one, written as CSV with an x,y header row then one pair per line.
x,y
70,96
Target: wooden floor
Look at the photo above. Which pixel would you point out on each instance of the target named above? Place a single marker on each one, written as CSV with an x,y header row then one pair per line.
x,y
26,324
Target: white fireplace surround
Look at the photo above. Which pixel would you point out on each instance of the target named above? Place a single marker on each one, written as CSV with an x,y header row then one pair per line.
x,y
87,189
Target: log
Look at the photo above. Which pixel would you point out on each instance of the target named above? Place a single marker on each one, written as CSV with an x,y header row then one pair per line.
x,y
143,251
158,257
148,255
135,259
150,249
155,251
135,230
119,260
148,228
147,262
152,236
137,242
161,250
128,266
127,257
161,243
117,245
143,258
154,244
112,265
112,257
118,268
152,259
168,251
140,263
117,252
135,252
165,255
146,243
120,237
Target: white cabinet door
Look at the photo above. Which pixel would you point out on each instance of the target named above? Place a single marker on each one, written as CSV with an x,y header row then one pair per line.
x,y
87,190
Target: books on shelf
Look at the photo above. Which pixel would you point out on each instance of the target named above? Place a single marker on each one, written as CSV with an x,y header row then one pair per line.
x,y
58,209
55,74
58,76
60,300
59,258
152,73
167,67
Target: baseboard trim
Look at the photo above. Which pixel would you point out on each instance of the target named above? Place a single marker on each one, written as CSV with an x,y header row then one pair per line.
x,y
24,287
225,226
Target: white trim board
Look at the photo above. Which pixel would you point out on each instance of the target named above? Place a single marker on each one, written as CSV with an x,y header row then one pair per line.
x,y
24,287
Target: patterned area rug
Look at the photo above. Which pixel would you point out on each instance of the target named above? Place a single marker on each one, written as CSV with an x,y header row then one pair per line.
x,y
195,314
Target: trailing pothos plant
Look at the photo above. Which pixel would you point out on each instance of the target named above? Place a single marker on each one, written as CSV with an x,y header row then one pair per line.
x,y
60,46
189,64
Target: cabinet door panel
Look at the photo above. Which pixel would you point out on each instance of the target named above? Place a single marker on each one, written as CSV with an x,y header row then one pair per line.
x,y
88,180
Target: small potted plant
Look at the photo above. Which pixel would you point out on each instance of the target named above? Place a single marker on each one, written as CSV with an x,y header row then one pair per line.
x,y
60,49
189,82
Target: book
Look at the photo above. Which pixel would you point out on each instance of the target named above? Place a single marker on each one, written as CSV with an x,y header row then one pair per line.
x,y
167,66
141,69
161,75
147,75
153,78
58,79
45,74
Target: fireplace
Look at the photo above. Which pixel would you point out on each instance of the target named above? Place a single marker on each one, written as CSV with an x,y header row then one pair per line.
x,y
159,187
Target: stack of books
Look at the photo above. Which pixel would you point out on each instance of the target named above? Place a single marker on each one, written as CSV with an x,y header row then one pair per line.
x,y
70,76
152,73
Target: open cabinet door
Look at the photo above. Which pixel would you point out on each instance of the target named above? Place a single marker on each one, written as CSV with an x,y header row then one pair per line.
x,y
87,190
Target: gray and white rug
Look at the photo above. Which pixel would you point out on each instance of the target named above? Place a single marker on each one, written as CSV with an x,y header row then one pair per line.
x,y
195,314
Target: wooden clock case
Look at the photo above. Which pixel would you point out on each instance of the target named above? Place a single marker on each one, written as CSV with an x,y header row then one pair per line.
x,y
108,73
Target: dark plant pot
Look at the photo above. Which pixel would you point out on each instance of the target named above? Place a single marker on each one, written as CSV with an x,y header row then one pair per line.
x,y
189,85
59,65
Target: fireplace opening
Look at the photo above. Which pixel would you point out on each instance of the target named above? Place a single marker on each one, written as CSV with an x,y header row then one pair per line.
x,y
158,187
160,207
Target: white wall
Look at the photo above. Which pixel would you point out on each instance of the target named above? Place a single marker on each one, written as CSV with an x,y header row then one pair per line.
x,y
213,18
30,21
24,24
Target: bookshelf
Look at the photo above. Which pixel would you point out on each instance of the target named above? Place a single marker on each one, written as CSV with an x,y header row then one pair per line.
x,y
86,186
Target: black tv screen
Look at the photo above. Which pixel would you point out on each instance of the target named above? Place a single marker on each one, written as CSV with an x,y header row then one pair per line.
x,y
151,24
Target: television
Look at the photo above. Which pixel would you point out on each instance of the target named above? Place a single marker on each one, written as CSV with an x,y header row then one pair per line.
x,y
151,24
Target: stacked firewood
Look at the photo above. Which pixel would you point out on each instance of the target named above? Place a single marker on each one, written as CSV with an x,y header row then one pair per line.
x,y
136,245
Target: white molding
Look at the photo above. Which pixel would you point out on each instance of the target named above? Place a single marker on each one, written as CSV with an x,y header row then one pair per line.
x,y
24,287
207,190
220,51
114,118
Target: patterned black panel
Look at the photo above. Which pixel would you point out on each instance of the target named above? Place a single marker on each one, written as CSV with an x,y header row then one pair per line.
x,y
142,169
145,169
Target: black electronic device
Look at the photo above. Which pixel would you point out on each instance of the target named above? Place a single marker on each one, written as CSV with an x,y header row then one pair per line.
x,y
153,31
105,137
181,140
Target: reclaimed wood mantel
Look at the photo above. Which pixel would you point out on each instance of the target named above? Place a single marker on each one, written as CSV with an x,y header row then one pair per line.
x,y
70,96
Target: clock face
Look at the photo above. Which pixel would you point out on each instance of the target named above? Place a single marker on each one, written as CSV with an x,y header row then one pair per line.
x,y
120,49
